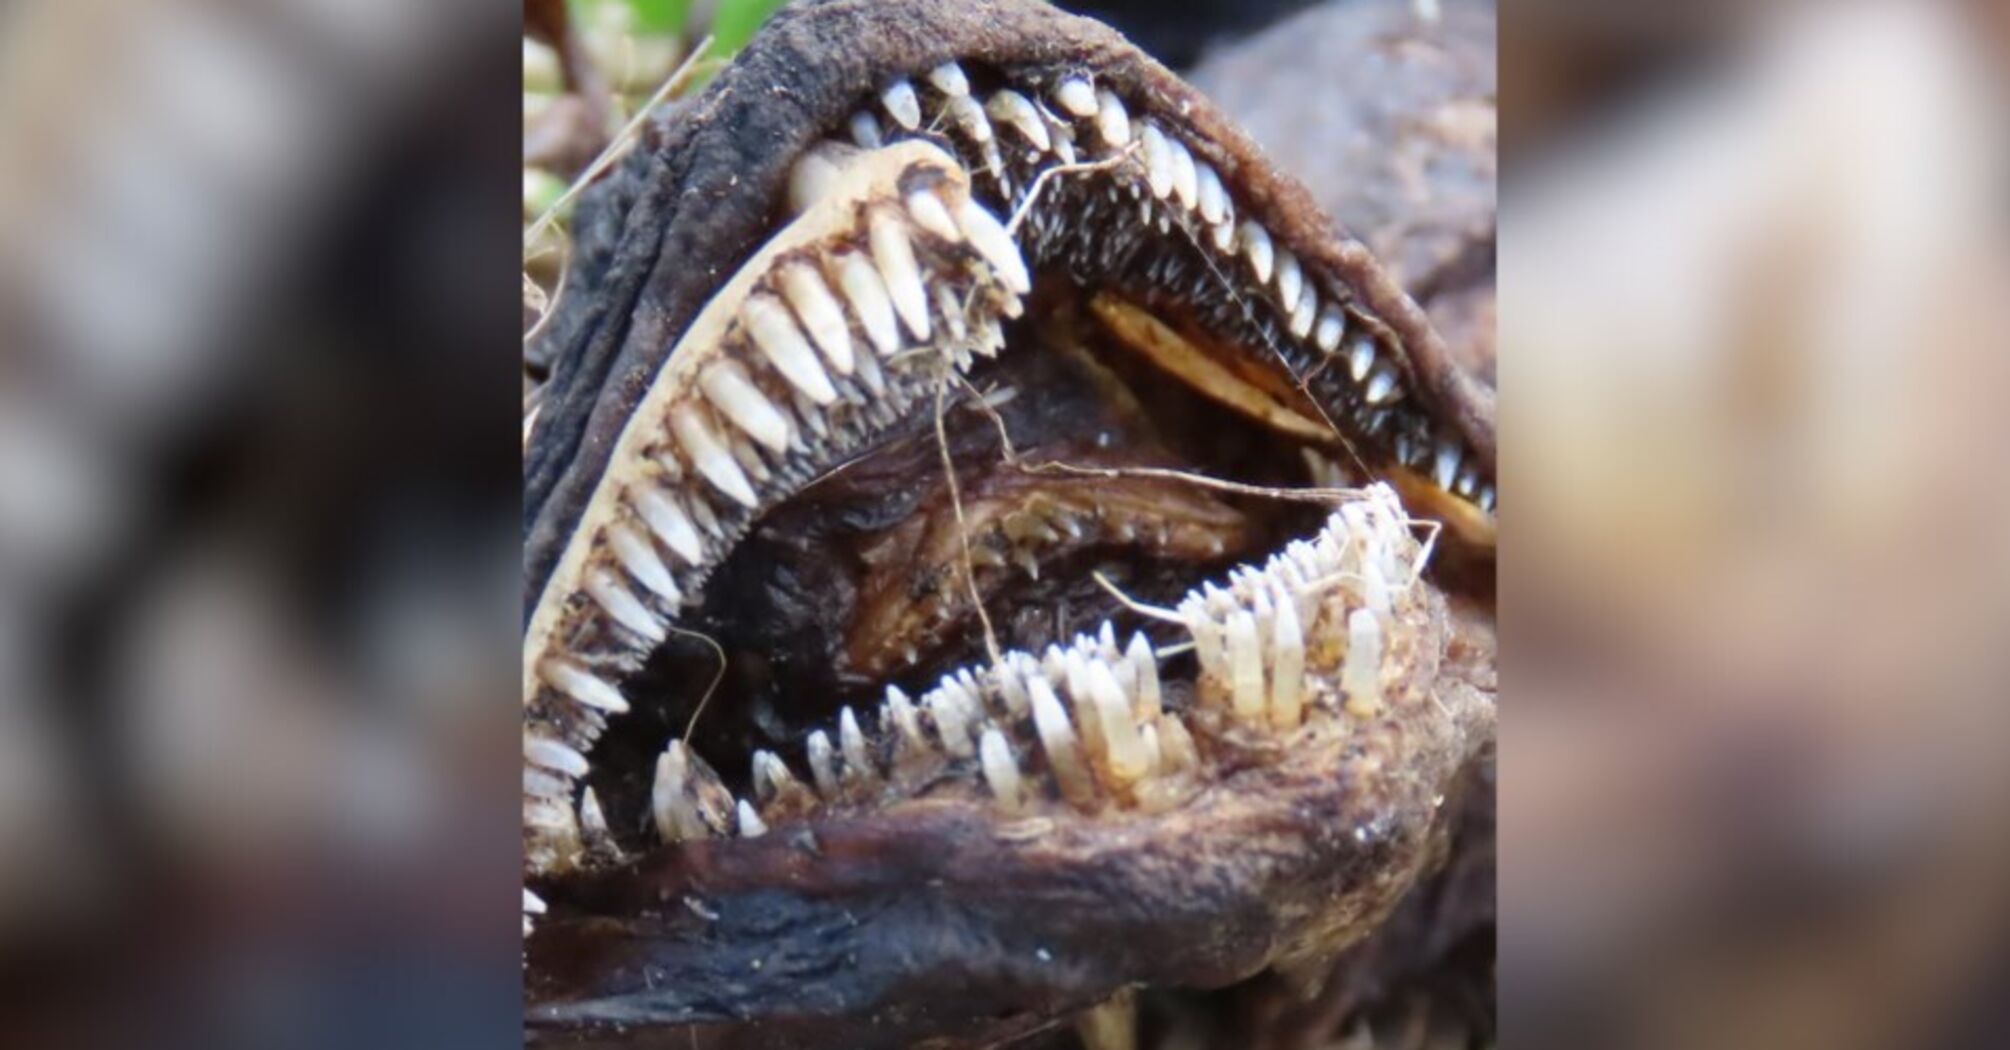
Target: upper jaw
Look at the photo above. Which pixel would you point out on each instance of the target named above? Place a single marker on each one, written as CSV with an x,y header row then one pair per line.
x,y
704,193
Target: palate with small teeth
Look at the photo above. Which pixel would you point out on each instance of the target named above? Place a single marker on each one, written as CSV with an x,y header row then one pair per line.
x,y
980,536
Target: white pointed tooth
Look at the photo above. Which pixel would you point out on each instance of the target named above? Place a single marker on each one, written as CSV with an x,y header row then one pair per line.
x,y
969,116
1469,480
638,555
666,518
1213,198
932,215
1373,586
734,394
1186,178
952,314
1486,498
1145,665
1001,771
1015,109
1064,140
668,804
1332,326
1113,121
865,130
1445,464
1245,667
1381,386
1158,161
766,778
862,286
545,785
710,455
583,685
532,903
1106,636
951,724
701,512
817,171
1012,686
900,715
1287,667
893,254
948,78
823,764
1289,277
555,756
1223,236
1057,737
1124,750
1076,96
751,825
1361,673
748,457
988,236
1303,313
1207,640
775,332
1176,747
1256,245
902,105
621,603
1360,357
851,741
819,312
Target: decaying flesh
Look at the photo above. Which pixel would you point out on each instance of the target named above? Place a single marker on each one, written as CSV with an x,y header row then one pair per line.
x,y
881,226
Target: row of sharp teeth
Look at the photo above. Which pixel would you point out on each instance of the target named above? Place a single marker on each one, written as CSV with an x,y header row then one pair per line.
x,y
1173,175
1092,719
836,349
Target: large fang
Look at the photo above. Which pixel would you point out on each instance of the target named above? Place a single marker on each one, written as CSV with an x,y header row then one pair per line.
x,y
1050,720
902,105
1245,667
736,397
867,293
818,309
1013,108
775,332
1001,772
1113,122
894,256
638,555
659,509
1077,97
1361,675
988,236
1158,162
584,686
710,455
622,604
1287,666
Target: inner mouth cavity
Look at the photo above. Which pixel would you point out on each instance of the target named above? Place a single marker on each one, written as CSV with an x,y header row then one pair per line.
x,y
782,499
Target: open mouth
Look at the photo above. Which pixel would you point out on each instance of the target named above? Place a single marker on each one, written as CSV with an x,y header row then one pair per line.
x,y
1039,506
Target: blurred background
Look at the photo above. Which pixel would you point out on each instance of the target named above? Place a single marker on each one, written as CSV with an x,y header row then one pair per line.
x,y
257,539
261,394
1755,596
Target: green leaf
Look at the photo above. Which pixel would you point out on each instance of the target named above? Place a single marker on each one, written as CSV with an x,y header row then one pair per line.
x,y
734,23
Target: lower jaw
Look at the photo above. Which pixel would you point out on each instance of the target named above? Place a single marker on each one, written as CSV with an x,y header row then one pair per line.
x,y
1311,798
